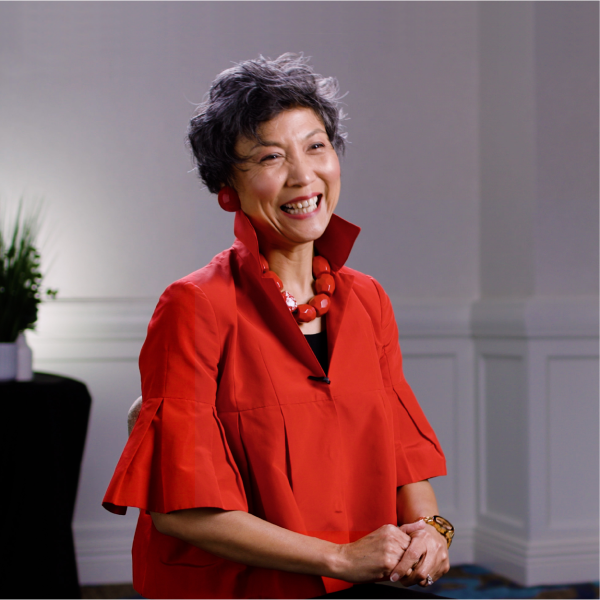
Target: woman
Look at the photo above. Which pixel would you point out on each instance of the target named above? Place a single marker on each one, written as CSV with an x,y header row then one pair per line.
x,y
278,446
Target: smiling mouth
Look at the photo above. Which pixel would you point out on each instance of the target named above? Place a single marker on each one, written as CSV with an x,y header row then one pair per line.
x,y
302,208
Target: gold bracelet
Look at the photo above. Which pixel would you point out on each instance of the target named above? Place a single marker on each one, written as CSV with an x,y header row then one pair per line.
x,y
442,525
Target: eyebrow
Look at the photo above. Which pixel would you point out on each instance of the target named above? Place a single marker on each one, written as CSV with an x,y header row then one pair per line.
x,y
269,143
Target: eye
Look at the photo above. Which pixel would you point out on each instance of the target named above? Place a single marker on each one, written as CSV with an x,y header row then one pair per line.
x,y
269,157
317,145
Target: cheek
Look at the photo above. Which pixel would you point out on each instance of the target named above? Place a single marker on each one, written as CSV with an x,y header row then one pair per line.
x,y
266,188
256,191
333,171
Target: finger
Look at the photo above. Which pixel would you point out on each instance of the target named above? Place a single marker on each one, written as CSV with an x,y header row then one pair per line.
x,y
398,575
409,561
403,538
425,579
434,564
410,528
413,575
390,534
373,556
426,568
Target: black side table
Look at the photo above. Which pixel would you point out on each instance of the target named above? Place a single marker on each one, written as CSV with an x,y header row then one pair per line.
x,y
43,429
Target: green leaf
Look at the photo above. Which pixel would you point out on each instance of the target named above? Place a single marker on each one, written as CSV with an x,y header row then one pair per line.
x,y
20,274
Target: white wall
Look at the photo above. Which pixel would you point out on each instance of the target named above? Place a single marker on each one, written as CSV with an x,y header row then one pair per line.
x,y
566,96
97,97
536,323
473,131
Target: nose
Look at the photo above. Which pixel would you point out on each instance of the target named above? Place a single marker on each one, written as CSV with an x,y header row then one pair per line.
x,y
300,172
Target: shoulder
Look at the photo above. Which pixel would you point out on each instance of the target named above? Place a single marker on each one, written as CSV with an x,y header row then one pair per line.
x,y
216,275
367,288
376,302
207,294
213,282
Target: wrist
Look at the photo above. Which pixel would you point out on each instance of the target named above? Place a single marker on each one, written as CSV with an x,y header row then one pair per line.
x,y
442,526
335,561
437,535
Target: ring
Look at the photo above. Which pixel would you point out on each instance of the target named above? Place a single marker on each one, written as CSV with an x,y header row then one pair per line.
x,y
429,580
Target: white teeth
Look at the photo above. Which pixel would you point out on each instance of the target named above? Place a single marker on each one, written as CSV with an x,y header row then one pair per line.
x,y
301,208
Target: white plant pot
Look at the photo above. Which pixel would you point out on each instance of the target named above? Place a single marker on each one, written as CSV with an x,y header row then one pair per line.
x,y
24,359
8,361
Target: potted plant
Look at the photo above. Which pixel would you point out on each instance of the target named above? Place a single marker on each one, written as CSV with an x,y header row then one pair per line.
x,y
20,284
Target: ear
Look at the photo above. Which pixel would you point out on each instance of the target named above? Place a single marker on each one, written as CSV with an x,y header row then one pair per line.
x,y
229,199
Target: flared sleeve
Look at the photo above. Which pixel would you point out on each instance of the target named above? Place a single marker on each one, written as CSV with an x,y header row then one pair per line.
x,y
419,454
177,456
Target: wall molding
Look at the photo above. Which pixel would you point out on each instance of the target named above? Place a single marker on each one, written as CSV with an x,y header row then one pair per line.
x,y
462,549
541,332
432,318
90,330
530,563
565,317
511,354
536,317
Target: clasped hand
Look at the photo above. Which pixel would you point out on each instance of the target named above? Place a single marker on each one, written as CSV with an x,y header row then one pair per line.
x,y
407,554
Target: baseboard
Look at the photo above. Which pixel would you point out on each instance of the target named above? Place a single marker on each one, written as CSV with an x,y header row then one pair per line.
x,y
529,563
461,550
104,553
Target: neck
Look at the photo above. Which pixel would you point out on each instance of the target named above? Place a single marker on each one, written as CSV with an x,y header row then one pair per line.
x,y
293,265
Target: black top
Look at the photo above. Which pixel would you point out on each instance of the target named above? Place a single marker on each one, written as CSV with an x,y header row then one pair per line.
x,y
318,344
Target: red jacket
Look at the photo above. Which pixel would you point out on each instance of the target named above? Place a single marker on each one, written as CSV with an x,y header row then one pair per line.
x,y
235,416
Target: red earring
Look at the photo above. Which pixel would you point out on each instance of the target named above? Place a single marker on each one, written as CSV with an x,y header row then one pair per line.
x,y
228,199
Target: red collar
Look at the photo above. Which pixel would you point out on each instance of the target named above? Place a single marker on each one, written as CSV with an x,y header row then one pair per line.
x,y
335,244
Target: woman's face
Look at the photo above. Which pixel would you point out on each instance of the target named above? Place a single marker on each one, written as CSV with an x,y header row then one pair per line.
x,y
290,184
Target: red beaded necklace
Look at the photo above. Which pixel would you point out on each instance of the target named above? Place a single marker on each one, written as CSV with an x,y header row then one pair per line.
x,y
324,286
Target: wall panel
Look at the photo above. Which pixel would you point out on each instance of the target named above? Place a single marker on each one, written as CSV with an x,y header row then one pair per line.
x,y
538,519
433,379
572,441
439,366
503,435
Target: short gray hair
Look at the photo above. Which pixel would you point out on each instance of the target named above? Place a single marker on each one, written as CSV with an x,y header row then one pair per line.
x,y
250,93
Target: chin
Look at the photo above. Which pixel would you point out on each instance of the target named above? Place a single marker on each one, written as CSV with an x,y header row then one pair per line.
x,y
307,229
306,237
